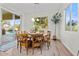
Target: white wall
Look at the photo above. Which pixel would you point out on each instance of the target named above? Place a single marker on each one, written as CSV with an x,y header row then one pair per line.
x,y
69,38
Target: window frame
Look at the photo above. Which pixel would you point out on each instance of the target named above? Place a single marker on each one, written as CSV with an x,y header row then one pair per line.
x,y
71,27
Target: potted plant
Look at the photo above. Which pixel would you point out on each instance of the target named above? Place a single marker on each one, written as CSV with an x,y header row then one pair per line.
x,y
56,19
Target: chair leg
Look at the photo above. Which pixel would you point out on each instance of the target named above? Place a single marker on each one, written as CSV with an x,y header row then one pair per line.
x,y
17,45
78,53
33,50
27,51
41,50
20,47
48,44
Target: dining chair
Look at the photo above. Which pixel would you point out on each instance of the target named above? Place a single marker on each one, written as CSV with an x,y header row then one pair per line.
x,y
23,42
17,37
47,38
78,53
37,42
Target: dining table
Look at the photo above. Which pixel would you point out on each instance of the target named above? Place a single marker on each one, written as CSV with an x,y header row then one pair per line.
x,y
33,40
32,37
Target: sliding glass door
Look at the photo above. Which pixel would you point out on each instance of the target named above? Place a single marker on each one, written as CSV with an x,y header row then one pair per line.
x,y
10,22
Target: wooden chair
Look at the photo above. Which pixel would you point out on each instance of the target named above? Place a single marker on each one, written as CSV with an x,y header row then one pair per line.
x,y
23,41
17,37
37,42
78,53
47,38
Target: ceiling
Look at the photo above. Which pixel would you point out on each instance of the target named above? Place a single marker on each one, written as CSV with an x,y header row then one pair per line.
x,y
30,8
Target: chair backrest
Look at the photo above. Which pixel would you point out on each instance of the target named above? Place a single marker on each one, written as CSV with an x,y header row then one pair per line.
x,y
48,35
37,37
49,32
78,53
21,35
17,35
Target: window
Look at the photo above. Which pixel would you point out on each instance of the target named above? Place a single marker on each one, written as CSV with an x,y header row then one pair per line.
x,y
71,14
68,18
10,22
74,16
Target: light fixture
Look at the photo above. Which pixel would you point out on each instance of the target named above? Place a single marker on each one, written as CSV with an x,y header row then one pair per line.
x,y
33,19
16,29
37,19
36,3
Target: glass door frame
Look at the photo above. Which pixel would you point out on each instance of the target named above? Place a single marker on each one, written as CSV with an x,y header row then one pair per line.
x,y
13,18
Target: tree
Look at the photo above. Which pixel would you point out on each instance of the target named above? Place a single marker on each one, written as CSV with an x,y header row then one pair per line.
x,y
56,19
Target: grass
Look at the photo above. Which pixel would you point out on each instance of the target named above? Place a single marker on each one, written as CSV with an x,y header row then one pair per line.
x,y
74,28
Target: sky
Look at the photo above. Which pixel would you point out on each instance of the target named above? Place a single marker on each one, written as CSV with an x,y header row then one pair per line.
x,y
18,21
73,9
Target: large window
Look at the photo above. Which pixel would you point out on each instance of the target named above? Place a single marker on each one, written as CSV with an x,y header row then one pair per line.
x,y
68,18
10,22
71,14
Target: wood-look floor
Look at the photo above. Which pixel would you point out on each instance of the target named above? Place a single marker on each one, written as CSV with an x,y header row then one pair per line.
x,y
56,49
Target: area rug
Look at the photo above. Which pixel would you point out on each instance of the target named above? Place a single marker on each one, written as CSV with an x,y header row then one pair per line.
x,y
7,46
8,41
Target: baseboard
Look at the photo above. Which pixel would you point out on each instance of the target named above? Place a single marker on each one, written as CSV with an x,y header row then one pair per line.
x,y
68,49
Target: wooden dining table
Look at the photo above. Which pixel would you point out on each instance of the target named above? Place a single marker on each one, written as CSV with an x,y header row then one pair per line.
x,y
34,40
32,37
